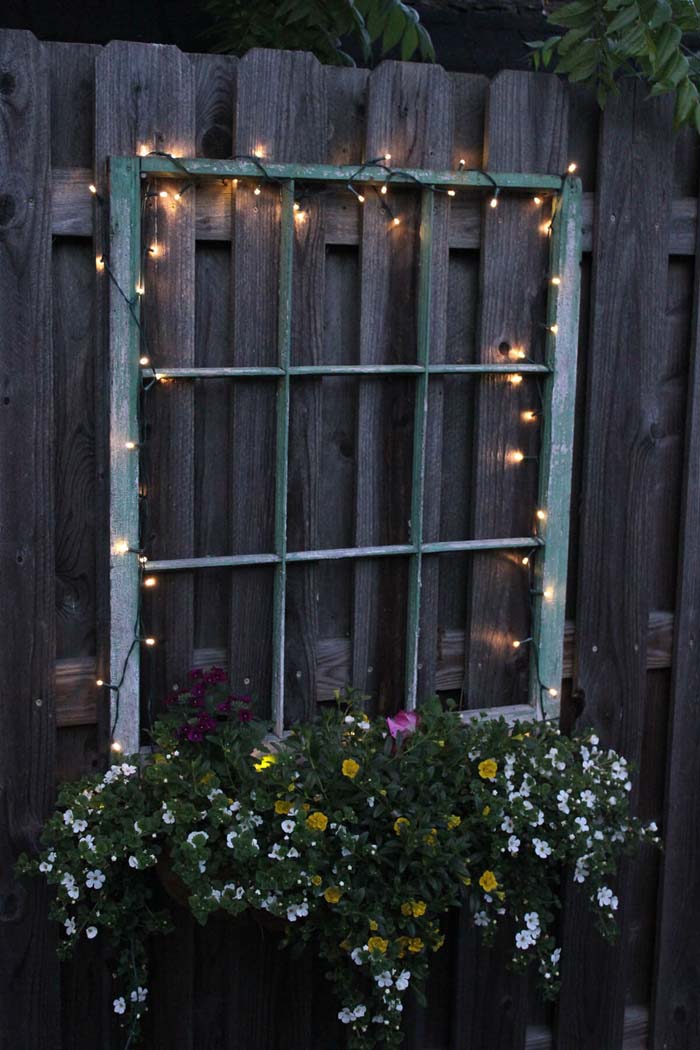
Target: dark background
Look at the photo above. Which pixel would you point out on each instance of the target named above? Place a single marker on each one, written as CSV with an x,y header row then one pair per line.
x,y
469,36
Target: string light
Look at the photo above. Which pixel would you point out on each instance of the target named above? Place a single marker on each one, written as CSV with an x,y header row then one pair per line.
x,y
99,683
360,196
517,642
553,692
131,445
384,190
154,250
548,594
537,200
546,228
387,158
140,290
554,328
462,164
517,456
143,151
529,416
572,168
150,581
397,221
541,515
100,262
515,379
121,547
257,191
163,193
116,746
259,152
93,189
516,353
525,560
149,641
556,281
452,193
494,201
144,361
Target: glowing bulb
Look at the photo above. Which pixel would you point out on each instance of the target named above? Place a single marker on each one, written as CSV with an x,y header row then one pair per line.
x,y
553,692
163,193
257,191
296,205
154,249
556,281
494,202
397,221
300,216
548,594
150,581
529,416
140,289
121,547
150,641
516,353
387,157
143,150
259,152
525,560
100,263
516,644
383,190
93,188
99,683
452,193
546,228
518,456
462,163
177,196
130,445
116,746
537,200
515,379
554,328
144,360
142,559
572,168
541,515
361,198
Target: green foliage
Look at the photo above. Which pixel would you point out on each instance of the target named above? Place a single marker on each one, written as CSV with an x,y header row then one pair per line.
x,y
609,39
321,26
359,835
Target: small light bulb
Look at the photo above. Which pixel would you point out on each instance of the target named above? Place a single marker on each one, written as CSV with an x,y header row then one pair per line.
x,y
518,456
257,191
548,594
93,188
553,692
387,157
546,228
121,547
163,193
537,200
259,152
397,221
529,416
541,515
177,196
462,162
142,559
150,641
144,360
556,281
383,190
516,644
296,205
361,198
99,683
140,289
572,168
100,263
143,150
452,193
494,202
515,379
150,581
516,353
525,560
116,746
300,216
554,328
154,250
130,445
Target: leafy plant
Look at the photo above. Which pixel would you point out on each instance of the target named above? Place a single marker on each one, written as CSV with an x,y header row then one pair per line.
x,y
321,26
355,834
606,40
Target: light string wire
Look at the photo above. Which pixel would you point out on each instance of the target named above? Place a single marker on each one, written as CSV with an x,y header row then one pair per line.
x,y
147,384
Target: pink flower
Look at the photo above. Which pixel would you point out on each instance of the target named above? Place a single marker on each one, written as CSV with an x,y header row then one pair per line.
x,y
405,723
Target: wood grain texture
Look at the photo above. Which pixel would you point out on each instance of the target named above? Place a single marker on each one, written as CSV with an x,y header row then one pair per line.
x,y
415,134
627,329
676,987
28,968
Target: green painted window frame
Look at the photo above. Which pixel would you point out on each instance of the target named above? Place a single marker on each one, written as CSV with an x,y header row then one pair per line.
x,y
558,376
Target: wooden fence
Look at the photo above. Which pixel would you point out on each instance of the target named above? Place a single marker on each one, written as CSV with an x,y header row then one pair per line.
x,y
634,595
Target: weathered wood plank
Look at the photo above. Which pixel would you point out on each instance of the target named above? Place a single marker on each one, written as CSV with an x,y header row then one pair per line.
x,y
676,988
28,967
504,491
630,267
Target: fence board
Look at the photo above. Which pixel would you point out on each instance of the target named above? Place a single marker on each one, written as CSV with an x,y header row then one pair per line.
x,y
676,987
28,969
612,610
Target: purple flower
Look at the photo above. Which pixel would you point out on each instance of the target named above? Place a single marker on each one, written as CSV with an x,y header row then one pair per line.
x,y
214,675
245,714
405,723
195,674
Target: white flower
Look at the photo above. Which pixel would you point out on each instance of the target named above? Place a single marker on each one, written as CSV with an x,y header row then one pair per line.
x,y
356,956
607,899
481,919
363,725
360,1011
288,826
588,798
274,853
556,956
582,823
402,980
139,996
128,770
91,932
168,817
119,1005
137,828
45,866
70,926
582,870
74,893
532,920
524,940
349,720
513,844
346,1016
89,841
202,867
542,848
95,879
79,825
230,838
377,1019
507,825
652,827
133,862
292,853
68,816
370,802
384,980
197,834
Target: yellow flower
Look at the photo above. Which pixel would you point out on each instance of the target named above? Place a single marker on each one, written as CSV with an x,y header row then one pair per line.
x,y
282,807
316,880
488,769
400,823
306,807
377,944
453,821
485,811
373,925
488,882
415,945
317,821
351,768
291,787
265,761
440,743
414,908
403,944
431,838
332,894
